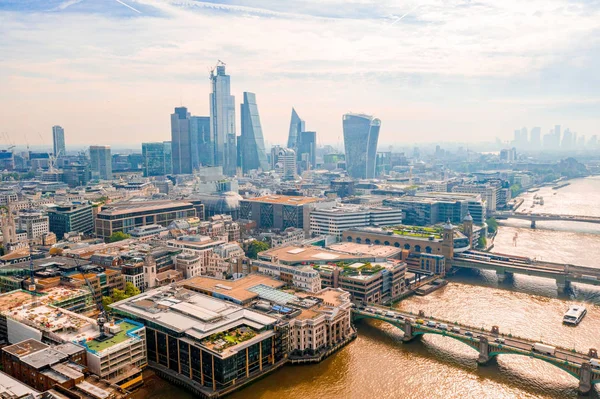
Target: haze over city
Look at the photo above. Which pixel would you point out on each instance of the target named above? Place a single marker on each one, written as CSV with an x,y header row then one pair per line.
x,y
110,72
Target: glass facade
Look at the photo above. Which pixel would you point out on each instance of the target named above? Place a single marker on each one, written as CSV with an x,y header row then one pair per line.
x,y
361,134
181,141
202,146
252,144
58,139
222,121
156,159
296,126
101,161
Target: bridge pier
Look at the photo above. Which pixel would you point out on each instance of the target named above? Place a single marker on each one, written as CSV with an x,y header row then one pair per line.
x,y
502,275
585,379
484,354
562,284
408,332
533,224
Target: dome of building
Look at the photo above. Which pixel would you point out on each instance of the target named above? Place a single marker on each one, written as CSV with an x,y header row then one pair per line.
x,y
227,203
468,218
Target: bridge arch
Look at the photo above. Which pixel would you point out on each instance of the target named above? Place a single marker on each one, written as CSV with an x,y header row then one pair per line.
x,y
556,364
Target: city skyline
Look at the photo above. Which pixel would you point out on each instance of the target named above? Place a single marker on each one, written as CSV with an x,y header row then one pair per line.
x,y
432,94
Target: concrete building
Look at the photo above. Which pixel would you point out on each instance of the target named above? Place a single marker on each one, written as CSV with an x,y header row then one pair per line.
x,y
101,162
35,223
488,192
290,236
127,215
65,218
336,220
301,277
283,162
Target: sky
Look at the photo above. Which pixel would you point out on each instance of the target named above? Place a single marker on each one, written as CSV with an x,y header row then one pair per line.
x,y
111,71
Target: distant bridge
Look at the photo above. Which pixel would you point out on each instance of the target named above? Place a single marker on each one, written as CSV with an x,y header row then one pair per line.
x,y
489,344
538,217
506,265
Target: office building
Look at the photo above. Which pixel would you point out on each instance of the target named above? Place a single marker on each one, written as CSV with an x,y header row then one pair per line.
x,y
101,162
296,126
306,151
283,162
77,174
252,144
201,143
488,192
125,216
58,141
361,133
535,142
336,220
157,159
280,211
35,223
222,121
66,218
181,143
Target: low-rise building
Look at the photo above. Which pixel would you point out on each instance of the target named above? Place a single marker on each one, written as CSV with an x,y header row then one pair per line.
x,y
302,277
336,220
290,236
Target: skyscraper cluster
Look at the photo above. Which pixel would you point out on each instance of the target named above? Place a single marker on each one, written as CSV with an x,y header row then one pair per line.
x,y
304,143
554,140
198,141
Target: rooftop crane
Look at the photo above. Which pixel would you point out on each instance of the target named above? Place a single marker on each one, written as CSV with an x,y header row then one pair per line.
x,y
102,316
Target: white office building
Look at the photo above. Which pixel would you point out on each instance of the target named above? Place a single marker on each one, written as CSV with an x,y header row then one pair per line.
x,y
336,220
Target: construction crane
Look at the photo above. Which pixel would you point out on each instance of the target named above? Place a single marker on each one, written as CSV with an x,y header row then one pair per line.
x,y
102,316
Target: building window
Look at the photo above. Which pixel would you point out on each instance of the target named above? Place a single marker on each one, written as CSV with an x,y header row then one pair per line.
x,y
407,247
386,243
428,249
417,248
367,241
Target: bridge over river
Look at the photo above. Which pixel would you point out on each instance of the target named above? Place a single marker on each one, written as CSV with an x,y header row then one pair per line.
x,y
538,217
506,265
489,344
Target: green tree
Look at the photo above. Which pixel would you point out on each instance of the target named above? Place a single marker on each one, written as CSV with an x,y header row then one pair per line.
x,y
131,290
492,224
255,247
118,236
119,295
482,242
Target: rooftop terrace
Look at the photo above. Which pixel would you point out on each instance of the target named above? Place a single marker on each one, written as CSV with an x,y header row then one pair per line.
x,y
123,335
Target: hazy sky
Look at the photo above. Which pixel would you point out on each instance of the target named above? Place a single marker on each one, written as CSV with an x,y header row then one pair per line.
x,y
111,71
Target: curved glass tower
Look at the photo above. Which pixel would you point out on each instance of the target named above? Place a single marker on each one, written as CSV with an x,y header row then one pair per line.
x,y
252,144
296,127
361,133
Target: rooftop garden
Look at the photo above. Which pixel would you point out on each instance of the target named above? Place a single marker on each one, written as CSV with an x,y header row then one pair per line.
x,y
122,336
226,339
417,231
355,268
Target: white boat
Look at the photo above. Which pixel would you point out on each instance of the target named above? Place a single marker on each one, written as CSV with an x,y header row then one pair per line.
x,y
574,315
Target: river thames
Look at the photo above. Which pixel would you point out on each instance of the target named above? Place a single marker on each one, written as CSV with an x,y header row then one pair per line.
x,y
378,365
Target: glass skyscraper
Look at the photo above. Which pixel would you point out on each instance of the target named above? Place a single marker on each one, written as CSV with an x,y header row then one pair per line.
x,y
58,139
181,141
361,133
201,144
296,127
307,150
101,161
222,121
252,144
156,159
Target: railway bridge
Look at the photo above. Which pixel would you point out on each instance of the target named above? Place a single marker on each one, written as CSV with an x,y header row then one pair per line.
x,y
538,217
488,343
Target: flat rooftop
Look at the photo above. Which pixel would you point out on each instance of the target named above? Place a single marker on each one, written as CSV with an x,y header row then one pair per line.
x,y
378,251
120,337
238,290
12,387
14,299
284,199
197,315
298,254
122,208
25,348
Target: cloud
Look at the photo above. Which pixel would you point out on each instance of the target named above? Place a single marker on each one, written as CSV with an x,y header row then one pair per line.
x,y
325,57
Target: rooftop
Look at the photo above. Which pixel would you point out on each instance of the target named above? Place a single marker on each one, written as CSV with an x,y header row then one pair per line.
x,y
298,254
238,290
284,199
378,251
11,387
122,208
122,336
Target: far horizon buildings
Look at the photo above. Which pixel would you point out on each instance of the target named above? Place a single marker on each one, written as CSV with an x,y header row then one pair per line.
x,y
222,121
101,161
252,144
58,140
361,134
296,127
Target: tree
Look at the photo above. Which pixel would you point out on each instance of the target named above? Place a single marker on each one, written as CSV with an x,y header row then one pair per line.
x,y
118,236
54,251
482,242
255,247
131,290
119,295
492,224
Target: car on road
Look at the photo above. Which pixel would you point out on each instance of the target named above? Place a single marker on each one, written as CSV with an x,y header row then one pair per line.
x,y
499,340
456,330
390,314
431,324
399,316
420,321
468,333
442,326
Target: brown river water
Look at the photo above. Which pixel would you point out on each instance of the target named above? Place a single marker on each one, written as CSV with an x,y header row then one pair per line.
x,y
378,365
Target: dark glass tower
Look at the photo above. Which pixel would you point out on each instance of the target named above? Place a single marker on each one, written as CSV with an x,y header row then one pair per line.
x,y
181,141
253,155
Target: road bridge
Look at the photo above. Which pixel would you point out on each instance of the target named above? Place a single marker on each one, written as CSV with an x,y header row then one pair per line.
x,y
488,343
506,265
538,217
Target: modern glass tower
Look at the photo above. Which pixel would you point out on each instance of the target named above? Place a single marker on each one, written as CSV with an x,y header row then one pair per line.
x,y
201,144
296,127
252,144
222,121
361,133
58,139
101,161
307,150
156,159
181,141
